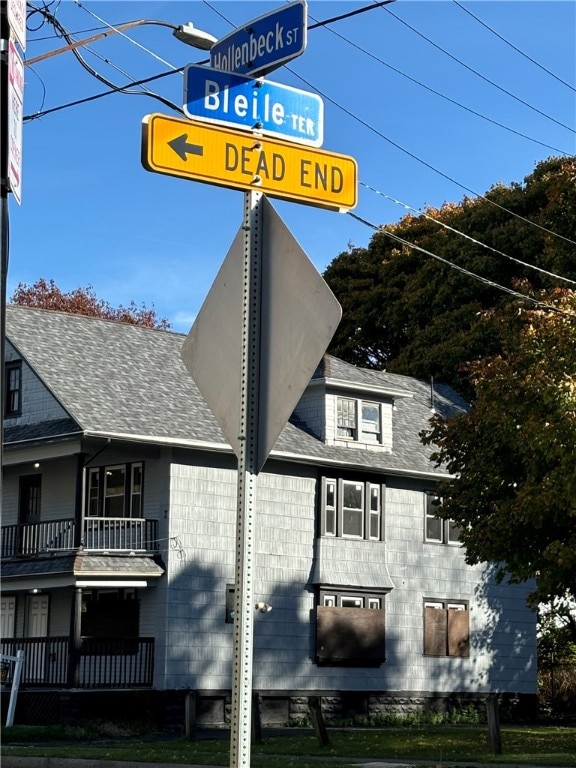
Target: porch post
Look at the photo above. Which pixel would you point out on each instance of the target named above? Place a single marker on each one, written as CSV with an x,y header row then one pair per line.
x,y
75,642
79,501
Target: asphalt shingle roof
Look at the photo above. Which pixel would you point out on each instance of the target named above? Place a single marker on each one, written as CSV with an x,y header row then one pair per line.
x,y
113,378
82,564
119,379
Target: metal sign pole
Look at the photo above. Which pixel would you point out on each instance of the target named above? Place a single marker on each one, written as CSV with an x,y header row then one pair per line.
x,y
19,659
240,737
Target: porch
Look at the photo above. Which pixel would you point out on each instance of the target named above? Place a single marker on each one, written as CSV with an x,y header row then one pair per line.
x,y
102,662
98,534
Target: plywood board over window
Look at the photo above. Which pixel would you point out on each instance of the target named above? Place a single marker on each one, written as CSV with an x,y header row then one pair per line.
x,y
446,629
353,635
458,632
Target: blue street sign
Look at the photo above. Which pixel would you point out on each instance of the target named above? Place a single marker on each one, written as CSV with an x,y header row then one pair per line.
x,y
242,102
263,44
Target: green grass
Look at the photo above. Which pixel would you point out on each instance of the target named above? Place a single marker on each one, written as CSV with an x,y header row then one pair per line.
x,y
522,745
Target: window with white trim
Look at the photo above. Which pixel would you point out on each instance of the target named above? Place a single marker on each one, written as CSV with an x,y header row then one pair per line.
x,y
347,599
13,388
351,509
359,420
446,628
115,491
350,627
437,530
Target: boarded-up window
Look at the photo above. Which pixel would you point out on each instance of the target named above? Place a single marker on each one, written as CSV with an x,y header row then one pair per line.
x,y
350,635
458,632
435,631
446,629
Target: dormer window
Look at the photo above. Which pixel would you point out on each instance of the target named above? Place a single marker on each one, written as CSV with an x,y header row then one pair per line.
x,y
347,423
371,429
359,420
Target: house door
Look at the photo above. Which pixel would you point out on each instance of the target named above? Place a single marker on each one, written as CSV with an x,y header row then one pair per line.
x,y
37,627
29,511
7,617
29,506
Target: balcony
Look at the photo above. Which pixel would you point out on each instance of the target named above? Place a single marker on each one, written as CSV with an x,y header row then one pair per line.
x,y
103,663
100,534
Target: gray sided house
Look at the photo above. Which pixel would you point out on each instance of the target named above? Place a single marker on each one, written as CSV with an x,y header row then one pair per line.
x,y
119,534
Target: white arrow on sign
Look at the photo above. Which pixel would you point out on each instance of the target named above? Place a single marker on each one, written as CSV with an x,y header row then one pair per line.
x,y
298,319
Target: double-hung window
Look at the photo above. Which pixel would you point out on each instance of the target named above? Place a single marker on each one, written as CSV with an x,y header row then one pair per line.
x,y
358,420
350,627
446,628
436,529
347,418
351,509
13,389
115,491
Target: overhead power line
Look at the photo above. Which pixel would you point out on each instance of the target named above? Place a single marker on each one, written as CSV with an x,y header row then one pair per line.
x,y
479,74
395,144
435,92
118,31
425,163
59,27
443,224
504,40
463,270
102,94
123,89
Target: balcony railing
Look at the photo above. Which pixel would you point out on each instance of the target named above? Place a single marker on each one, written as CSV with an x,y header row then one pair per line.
x,y
100,534
103,663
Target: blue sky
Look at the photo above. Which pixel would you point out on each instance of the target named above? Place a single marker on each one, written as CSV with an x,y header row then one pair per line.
x,y
91,215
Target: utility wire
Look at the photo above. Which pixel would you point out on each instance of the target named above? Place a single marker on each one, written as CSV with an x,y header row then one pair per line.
x,y
319,23
55,36
468,237
96,96
66,35
467,272
478,74
438,93
426,164
116,89
398,146
504,40
124,35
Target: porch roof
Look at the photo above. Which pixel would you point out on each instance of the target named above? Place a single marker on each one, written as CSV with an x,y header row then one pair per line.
x,y
81,565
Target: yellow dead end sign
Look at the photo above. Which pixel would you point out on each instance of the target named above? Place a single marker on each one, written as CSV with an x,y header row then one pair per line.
x,y
241,160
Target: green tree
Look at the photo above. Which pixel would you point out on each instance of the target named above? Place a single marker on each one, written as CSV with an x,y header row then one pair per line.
x,y
512,454
412,314
557,659
83,301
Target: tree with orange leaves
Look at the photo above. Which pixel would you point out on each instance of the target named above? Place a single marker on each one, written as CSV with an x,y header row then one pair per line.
x,y
45,294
